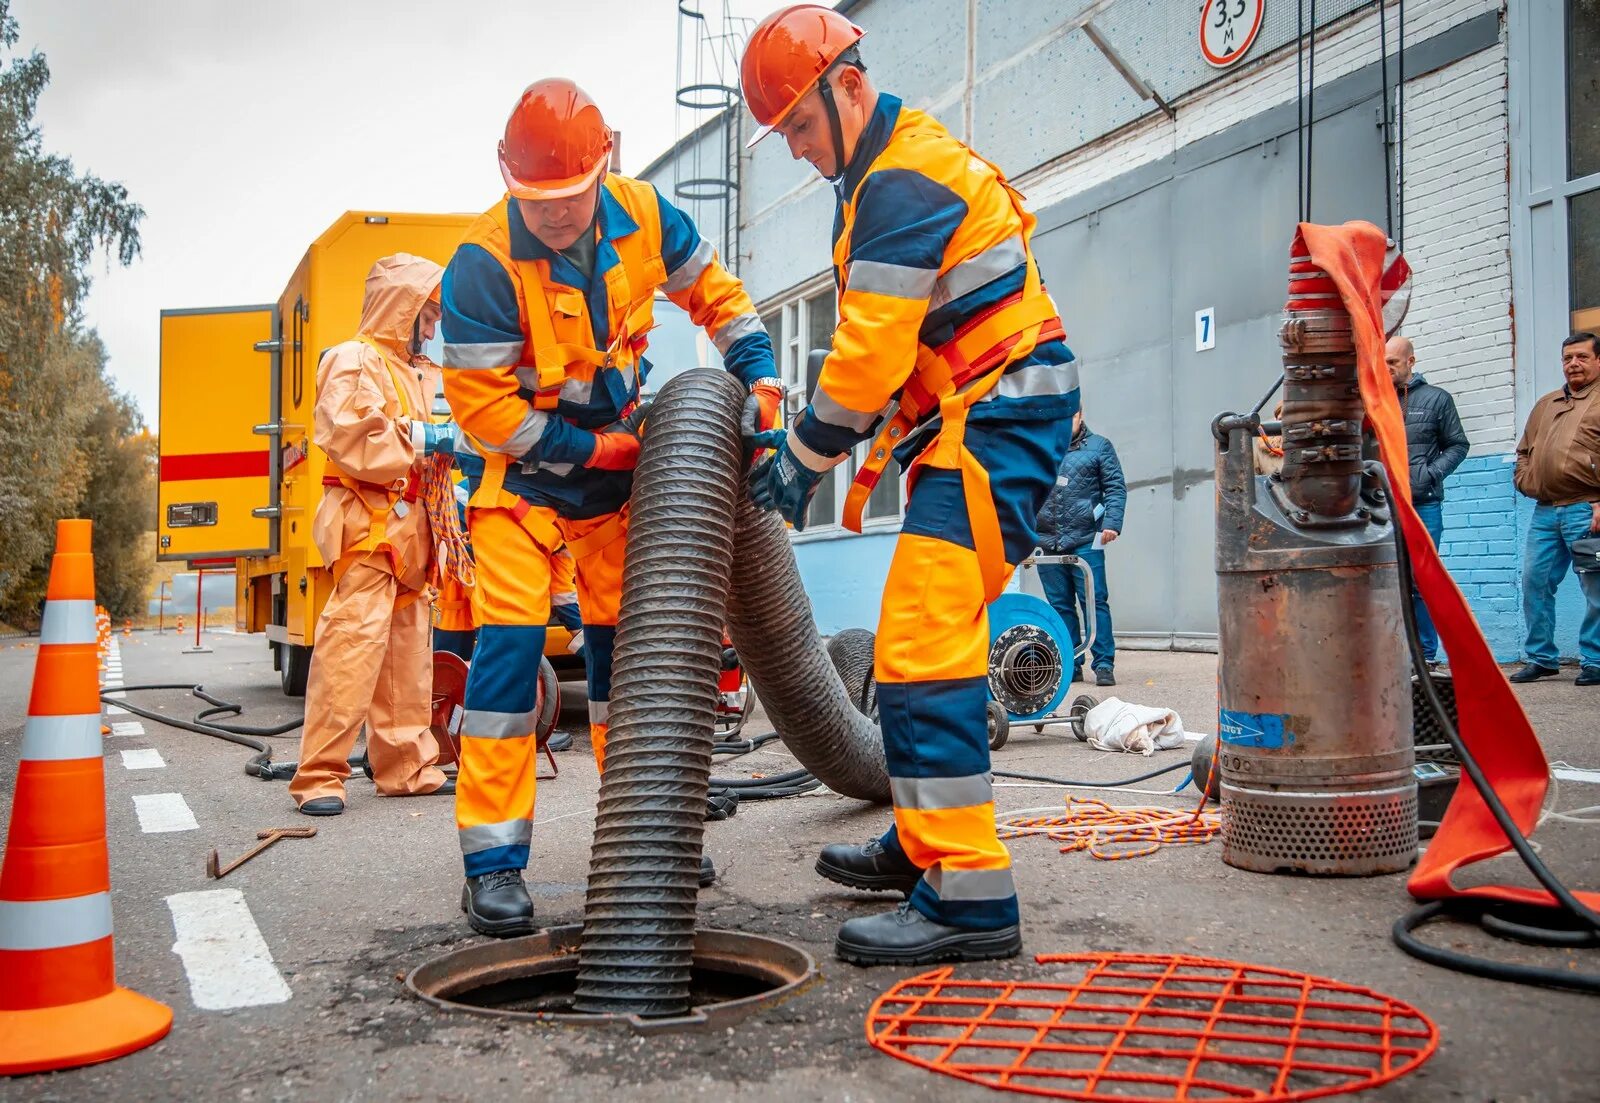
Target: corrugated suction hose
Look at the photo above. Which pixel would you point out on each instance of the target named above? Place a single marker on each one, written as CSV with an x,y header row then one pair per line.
x,y
693,539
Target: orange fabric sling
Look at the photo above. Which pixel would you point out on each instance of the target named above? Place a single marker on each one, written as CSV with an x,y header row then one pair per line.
x,y
1492,723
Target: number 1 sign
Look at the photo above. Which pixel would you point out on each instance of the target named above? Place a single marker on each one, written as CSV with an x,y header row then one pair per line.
x,y
1227,28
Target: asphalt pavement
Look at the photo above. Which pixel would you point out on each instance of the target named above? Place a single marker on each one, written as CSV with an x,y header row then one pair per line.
x,y
285,976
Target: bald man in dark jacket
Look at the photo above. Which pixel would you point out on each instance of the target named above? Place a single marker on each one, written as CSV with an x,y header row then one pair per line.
x,y
1436,444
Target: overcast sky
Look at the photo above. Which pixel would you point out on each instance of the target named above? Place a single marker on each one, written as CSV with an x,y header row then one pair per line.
x,y
245,128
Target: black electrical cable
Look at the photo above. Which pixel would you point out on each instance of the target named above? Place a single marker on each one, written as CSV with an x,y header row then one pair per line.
x,y
1469,907
1093,784
1388,135
1299,110
1311,106
1400,118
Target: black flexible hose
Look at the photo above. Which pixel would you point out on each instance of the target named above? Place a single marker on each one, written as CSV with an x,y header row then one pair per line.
x,y
258,765
637,946
1467,907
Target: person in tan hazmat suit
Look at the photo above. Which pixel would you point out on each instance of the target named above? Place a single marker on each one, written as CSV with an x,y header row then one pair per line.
x,y
373,661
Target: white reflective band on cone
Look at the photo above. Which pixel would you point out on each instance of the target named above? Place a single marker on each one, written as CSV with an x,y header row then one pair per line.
x,y
68,622
52,924
57,738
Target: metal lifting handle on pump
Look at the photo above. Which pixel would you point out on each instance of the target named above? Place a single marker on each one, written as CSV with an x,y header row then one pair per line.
x,y
1040,558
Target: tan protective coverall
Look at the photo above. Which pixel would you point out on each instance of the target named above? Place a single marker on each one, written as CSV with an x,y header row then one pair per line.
x,y
373,660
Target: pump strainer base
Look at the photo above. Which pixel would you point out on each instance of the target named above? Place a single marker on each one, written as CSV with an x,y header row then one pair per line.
x,y
1153,1028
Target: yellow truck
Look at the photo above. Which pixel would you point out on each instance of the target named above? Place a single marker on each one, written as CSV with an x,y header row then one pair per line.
x,y
239,477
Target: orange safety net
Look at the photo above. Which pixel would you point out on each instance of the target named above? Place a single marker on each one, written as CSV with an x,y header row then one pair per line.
x,y
1153,1028
1492,723
1112,834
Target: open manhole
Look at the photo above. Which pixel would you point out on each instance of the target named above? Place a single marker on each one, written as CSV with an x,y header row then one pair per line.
x,y
534,978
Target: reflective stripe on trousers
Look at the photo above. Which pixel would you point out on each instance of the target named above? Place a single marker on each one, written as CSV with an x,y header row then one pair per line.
x,y
932,664
497,783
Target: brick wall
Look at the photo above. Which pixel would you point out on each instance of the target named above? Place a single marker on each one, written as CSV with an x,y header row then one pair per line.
x,y
1458,239
1482,547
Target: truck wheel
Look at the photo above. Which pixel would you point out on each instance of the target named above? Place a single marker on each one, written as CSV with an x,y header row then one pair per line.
x,y
296,665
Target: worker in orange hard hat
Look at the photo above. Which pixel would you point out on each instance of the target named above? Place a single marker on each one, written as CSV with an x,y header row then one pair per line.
x,y
547,306
943,321
372,664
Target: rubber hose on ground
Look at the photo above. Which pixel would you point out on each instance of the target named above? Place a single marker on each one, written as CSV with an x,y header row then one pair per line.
x,y
639,913
770,620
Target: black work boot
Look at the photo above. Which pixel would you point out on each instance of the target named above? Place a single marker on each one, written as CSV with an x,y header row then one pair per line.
x,y
708,872
497,904
1532,672
868,866
907,937
322,806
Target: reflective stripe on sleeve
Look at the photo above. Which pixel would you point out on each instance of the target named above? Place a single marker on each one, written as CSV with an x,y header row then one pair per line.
x,y
897,280
492,354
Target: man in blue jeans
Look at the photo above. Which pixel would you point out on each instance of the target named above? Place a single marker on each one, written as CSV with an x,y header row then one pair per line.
x,y
1437,444
1083,514
1558,466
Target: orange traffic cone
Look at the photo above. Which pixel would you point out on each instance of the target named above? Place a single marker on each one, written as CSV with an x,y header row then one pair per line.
x,y
59,1001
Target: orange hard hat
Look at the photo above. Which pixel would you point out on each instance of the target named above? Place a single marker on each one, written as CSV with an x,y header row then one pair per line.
x,y
786,56
556,142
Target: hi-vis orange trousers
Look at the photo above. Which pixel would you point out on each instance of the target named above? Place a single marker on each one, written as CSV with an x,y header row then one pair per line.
x,y
372,665
511,603
932,663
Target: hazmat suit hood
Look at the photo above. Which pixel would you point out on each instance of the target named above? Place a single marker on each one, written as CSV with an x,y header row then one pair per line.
x,y
396,288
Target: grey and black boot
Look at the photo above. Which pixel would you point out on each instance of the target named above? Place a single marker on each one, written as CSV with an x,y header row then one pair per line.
x,y
907,937
870,867
708,872
497,904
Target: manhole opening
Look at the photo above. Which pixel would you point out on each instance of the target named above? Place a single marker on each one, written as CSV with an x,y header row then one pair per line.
x,y
535,979
554,990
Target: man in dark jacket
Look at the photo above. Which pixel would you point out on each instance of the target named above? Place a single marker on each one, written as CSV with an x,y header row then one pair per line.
x,y
1437,444
1081,515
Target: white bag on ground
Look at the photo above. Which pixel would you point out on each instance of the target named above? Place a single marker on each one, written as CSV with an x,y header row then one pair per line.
x,y
1116,725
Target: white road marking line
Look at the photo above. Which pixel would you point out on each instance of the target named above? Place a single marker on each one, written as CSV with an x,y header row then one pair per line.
x,y
226,959
117,695
116,710
1574,773
145,758
127,727
161,812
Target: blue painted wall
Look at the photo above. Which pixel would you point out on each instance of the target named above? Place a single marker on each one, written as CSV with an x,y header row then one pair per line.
x,y
844,578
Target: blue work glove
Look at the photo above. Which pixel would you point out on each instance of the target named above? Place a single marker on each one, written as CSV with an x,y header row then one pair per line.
x,y
432,439
781,481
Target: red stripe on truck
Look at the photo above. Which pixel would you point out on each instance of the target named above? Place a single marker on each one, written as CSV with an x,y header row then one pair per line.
x,y
215,465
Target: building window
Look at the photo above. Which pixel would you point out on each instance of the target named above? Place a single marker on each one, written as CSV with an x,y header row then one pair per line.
x,y
797,326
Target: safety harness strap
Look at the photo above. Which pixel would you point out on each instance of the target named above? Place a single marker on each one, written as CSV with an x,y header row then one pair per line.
x,y
955,377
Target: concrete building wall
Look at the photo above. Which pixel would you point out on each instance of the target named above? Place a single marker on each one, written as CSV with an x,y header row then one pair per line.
x,y
1123,194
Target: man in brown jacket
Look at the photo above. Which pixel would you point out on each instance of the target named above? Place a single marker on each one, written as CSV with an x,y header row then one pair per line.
x,y
1558,466
373,664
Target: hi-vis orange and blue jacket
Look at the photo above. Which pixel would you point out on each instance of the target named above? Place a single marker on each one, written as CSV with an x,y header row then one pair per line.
x,y
939,296
542,358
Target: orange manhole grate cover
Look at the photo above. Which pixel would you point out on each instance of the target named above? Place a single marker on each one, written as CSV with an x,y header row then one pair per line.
x,y
1153,1028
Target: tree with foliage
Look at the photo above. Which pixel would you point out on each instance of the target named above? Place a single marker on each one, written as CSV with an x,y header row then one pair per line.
x,y
55,398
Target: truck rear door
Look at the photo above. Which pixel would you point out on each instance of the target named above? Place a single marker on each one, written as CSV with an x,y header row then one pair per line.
x,y
218,475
